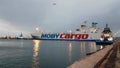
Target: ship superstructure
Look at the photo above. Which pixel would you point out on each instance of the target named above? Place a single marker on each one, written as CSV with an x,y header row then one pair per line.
x,y
93,31
106,34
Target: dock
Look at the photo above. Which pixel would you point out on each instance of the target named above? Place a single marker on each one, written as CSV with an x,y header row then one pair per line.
x,y
108,57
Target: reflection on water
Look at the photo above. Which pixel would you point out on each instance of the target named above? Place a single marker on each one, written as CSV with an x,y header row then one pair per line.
x,y
82,48
101,47
21,43
87,47
93,46
35,54
70,52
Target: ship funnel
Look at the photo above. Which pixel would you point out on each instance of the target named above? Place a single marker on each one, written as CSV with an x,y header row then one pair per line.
x,y
106,25
94,24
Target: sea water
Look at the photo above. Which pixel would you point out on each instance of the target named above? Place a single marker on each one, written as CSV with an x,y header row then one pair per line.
x,y
42,54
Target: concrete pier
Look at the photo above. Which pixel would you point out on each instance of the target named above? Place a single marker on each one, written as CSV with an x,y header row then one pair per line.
x,y
108,57
117,60
112,60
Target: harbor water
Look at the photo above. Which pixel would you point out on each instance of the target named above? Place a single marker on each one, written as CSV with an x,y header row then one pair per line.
x,y
43,53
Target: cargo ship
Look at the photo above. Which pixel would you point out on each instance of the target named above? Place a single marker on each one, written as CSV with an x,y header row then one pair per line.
x,y
83,33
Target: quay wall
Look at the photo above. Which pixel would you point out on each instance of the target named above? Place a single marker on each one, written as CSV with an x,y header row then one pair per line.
x,y
91,60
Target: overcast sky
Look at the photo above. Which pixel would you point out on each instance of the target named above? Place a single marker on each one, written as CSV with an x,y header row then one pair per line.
x,y
25,15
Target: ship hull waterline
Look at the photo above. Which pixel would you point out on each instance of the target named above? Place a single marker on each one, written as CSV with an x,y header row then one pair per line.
x,y
97,41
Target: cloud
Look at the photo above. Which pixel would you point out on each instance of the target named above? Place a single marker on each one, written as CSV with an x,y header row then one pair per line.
x,y
7,27
25,15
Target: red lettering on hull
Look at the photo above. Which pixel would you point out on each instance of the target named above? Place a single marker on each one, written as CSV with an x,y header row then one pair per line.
x,y
78,36
85,36
62,36
74,36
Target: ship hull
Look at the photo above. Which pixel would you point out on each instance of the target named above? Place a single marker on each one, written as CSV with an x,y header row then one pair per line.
x,y
81,34
97,41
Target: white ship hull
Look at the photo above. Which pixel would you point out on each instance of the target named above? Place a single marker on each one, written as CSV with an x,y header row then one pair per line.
x,y
82,34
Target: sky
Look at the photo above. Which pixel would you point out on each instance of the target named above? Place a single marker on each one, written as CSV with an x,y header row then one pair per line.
x,y
18,16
